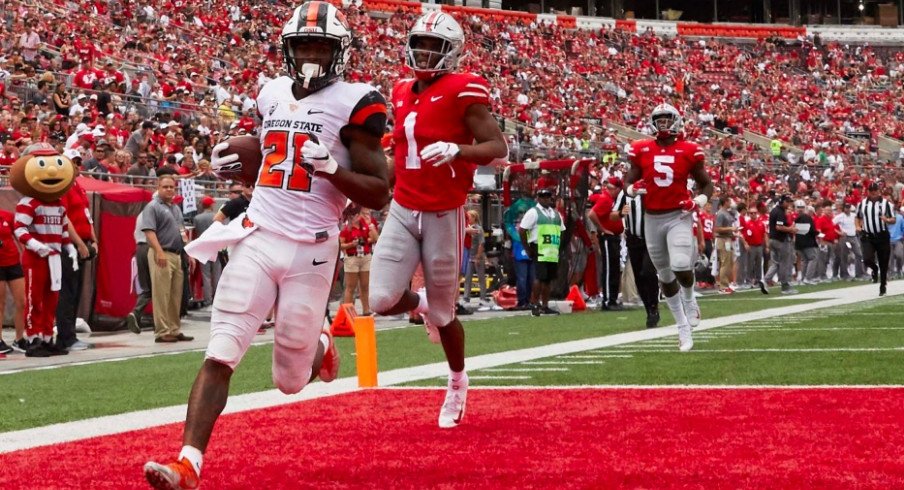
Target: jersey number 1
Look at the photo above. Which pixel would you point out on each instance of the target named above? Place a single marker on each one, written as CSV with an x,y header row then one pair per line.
x,y
412,160
278,143
665,174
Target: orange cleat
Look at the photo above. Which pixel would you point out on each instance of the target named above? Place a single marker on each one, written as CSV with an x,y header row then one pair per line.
x,y
180,475
329,366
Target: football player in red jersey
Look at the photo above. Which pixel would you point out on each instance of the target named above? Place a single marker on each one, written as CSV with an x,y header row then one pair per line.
x,y
660,168
320,139
443,129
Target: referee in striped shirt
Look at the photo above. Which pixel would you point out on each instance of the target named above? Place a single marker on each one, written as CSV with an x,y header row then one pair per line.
x,y
874,214
631,210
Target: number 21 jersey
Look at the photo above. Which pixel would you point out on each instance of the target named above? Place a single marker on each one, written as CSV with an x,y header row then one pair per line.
x,y
287,199
665,170
421,119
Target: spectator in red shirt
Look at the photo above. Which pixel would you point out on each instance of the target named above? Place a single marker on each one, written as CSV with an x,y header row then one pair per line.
x,y
609,226
357,239
13,278
81,232
8,155
753,239
827,234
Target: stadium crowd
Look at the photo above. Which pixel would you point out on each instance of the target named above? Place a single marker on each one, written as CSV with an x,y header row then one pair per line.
x,y
135,89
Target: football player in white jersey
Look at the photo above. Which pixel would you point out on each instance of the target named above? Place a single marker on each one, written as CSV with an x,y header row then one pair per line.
x,y
320,139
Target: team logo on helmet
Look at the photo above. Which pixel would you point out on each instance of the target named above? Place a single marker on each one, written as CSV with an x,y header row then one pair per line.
x,y
431,59
316,20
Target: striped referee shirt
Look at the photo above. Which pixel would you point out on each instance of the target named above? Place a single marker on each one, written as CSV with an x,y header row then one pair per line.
x,y
634,219
871,213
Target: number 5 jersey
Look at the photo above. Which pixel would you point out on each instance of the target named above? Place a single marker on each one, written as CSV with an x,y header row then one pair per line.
x,y
287,199
665,171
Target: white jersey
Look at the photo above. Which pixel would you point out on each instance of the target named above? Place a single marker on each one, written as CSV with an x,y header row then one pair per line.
x,y
287,199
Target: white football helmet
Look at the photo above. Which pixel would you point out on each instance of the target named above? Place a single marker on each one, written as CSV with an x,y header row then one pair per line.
x,y
317,20
436,25
666,121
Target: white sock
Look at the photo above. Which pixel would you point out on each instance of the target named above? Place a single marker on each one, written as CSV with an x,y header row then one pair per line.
x,y
325,341
687,294
677,310
422,307
31,338
458,377
194,456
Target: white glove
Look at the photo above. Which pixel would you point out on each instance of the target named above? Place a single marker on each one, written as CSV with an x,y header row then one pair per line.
x,y
228,163
38,248
317,156
439,153
73,256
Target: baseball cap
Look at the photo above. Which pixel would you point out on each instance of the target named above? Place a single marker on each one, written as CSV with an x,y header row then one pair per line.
x,y
81,97
800,204
873,186
207,201
786,198
72,154
615,182
544,193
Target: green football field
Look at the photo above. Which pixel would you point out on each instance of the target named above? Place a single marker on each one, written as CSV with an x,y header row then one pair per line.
x,y
853,344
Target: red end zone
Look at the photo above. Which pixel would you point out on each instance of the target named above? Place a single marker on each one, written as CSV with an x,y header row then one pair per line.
x,y
585,438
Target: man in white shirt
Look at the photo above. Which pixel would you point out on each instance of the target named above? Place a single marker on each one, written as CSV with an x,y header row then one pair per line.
x,y
848,244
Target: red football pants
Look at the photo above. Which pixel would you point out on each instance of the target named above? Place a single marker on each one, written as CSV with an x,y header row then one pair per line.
x,y
40,301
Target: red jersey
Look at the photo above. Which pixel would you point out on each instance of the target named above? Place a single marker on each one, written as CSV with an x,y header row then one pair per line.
x,y
76,203
440,118
603,208
46,222
753,231
9,253
827,227
665,170
708,221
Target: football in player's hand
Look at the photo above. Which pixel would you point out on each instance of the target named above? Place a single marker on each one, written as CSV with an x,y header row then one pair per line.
x,y
248,148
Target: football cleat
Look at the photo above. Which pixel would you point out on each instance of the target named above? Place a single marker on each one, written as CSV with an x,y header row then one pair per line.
x,y
685,338
180,475
329,366
692,312
453,409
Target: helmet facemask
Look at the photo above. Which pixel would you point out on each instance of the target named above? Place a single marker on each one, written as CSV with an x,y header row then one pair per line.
x,y
666,123
313,72
429,56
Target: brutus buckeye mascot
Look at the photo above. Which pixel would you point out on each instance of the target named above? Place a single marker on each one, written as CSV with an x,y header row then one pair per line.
x,y
42,176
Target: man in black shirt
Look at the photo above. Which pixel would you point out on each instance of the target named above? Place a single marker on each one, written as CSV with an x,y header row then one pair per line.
x,y
781,259
805,242
241,197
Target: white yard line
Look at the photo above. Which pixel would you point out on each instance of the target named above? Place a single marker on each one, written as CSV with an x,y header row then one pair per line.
x,y
658,387
115,424
800,350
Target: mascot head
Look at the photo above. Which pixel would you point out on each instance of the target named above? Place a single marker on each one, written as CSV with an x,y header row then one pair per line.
x,y
42,173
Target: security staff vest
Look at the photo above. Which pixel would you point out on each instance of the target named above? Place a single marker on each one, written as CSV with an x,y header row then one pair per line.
x,y
549,229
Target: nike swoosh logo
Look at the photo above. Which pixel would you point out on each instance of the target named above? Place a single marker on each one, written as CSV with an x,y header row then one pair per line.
x,y
434,99
316,262
457,420
440,215
314,111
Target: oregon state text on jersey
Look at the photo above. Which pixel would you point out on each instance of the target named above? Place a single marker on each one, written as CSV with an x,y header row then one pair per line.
x,y
665,170
436,114
287,199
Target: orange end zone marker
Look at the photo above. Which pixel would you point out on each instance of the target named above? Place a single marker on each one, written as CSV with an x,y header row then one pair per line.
x,y
366,351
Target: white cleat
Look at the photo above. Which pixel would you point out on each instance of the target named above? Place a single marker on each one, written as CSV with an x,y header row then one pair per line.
x,y
453,409
692,312
685,339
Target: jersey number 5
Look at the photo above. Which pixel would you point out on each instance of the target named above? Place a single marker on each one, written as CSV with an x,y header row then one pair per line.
x,y
277,142
665,174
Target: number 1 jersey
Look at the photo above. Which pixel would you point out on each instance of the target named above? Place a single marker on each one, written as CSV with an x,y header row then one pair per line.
x,y
665,170
421,119
287,199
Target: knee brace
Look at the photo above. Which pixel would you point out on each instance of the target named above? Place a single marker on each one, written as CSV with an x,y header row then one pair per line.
x,y
666,276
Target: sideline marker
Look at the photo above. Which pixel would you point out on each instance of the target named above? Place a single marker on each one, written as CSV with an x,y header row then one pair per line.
x,y
577,299
343,324
366,351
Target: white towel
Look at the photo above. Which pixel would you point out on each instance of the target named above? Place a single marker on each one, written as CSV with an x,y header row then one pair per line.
x,y
133,277
219,236
56,271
